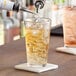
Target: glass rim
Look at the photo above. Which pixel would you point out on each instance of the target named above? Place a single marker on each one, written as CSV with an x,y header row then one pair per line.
x,y
31,19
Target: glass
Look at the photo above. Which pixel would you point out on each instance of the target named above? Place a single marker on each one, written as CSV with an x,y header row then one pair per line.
x,y
69,26
57,6
1,30
37,40
12,30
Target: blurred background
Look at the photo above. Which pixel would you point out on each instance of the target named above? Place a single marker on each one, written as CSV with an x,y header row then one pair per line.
x,y
12,23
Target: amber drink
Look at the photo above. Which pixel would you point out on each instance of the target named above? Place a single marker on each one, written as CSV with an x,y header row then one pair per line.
x,y
69,26
37,41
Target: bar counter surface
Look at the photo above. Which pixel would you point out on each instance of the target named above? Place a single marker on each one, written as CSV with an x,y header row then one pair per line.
x,y
14,53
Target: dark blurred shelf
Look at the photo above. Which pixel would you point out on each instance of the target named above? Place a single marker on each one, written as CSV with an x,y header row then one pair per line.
x,y
57,31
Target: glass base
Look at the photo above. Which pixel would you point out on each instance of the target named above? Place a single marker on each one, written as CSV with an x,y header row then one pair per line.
x,y
70,46
34,65
48,67
67,50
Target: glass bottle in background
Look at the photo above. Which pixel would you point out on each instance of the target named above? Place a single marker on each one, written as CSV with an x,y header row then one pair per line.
x,y
1,30
8,26
21,16
12,29
8,32
31,6
57,9
15,28
22,30
47,9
